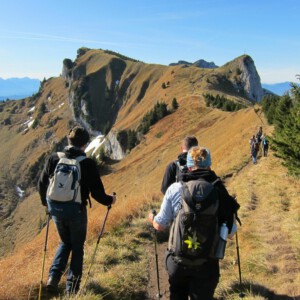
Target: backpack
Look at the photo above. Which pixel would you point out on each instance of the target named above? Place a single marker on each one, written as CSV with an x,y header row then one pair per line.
x,y
256,146
64,185
180,169
194,231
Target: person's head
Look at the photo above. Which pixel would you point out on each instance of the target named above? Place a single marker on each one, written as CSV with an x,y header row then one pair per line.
x,y
198,157
78,136
189,142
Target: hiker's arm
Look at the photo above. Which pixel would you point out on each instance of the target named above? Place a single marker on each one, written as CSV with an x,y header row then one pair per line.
x,y
43,181
233,229
156,225
168,207
169,177
93,181
228,207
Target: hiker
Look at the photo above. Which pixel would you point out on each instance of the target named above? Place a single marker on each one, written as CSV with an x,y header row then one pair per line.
x,y
259,134
252,140
171,171
70,217
196,278
254,148
264,145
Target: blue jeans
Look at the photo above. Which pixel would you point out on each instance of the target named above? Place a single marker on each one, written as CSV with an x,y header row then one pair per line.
x,y
71,224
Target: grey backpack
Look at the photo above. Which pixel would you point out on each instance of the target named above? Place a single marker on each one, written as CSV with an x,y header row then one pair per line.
x,y
64,184
194,231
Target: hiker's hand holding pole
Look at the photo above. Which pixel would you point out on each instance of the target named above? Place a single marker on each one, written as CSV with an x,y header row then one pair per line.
x,y
151,216
114,196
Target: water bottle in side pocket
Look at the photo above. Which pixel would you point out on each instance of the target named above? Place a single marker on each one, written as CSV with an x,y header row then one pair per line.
x,y
221,245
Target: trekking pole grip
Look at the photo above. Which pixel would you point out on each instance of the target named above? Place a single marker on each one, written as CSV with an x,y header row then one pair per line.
x,y
153,211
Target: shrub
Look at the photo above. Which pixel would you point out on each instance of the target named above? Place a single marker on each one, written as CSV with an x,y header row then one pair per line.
x,y
222,103
158,112
175,104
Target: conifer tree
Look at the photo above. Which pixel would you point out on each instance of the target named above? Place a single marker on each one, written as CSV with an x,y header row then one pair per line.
x,y
287,130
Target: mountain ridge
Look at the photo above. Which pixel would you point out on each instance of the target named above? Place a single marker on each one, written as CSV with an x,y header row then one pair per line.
x,y
127,90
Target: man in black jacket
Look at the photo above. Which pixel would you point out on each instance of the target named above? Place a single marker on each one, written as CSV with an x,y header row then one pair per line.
x,y
70,217
172,167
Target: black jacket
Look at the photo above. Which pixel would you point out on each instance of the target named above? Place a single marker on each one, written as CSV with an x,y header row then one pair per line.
x,y
228,206
171,172
90,178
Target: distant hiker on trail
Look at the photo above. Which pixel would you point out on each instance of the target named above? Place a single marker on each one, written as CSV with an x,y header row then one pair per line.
x,y
264,145
172,169
196,207
252,141
254,148
258,135
66,198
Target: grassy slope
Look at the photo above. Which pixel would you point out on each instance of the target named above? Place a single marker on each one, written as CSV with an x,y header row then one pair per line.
x,y
137,178
22,150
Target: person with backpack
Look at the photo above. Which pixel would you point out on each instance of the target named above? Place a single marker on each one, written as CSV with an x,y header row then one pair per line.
x,y
259,135
171,172
265,145
197,208
67,180
254,148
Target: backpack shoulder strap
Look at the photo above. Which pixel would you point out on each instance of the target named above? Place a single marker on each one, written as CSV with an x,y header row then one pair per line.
x,y
61,155
177,164
80,158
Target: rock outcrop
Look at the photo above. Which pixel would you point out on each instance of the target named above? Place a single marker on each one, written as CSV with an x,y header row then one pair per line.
x,y
249,79
112,147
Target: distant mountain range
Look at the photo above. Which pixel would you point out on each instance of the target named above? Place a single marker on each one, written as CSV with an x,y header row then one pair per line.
x,y
18,88
277,88
201,63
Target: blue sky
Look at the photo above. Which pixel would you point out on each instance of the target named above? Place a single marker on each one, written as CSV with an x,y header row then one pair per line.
x,y
36,35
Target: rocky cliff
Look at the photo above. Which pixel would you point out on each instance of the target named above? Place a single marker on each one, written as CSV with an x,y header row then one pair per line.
x,y
250,80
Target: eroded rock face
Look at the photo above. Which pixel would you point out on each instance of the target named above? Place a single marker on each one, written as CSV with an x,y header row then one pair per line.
x,y
67,69
112,146
250,79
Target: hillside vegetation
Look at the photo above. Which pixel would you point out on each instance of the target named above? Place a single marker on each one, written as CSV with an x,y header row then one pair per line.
x,y
269,236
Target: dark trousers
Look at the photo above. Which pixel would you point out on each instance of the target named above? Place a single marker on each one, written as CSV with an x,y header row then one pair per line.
x,y
71,224
198,283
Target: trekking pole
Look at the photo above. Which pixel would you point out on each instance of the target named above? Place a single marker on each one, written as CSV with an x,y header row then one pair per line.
x,y
44,255
241,294
159,295
94,254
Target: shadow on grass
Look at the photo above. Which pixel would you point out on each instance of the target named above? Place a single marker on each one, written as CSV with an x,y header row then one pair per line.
x,y
107,294
106,168
257,290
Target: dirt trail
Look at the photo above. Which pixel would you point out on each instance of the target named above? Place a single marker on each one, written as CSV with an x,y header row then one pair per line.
x,y
163,276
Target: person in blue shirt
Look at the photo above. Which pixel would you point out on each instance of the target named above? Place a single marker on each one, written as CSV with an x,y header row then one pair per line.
x,y
185,281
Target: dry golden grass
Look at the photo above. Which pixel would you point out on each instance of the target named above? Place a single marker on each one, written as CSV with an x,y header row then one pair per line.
x,y
269,237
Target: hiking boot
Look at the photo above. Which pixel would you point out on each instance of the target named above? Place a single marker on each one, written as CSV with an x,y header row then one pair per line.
x,y
73,285
52,284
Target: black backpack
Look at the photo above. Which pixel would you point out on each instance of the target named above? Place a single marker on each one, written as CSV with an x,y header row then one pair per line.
x,y
194,231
